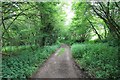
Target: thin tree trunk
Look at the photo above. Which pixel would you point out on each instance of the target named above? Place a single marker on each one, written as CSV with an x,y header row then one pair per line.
x,y
94,29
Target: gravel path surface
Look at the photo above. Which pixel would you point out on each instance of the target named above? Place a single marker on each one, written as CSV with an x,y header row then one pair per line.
x,y
60,65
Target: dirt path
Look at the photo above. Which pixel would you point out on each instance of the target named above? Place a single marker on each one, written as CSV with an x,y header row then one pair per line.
x,y
60,65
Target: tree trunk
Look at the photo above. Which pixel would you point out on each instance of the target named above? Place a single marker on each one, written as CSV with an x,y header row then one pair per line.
x,y
94,29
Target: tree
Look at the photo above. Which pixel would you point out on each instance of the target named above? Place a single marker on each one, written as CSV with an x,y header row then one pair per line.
x,y
109,12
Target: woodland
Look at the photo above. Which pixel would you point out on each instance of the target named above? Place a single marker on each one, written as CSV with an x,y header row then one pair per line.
x,y
33,31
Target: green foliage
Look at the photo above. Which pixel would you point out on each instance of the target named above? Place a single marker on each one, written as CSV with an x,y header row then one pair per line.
x,y
24,64
15,49
42,24
79,27
78,50
30,23
99,59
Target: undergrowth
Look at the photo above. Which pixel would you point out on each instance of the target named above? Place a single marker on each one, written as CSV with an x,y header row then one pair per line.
x,y
25,63
100,59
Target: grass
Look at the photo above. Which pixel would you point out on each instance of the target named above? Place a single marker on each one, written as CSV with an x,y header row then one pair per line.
x,y
100,59
61,51
25,63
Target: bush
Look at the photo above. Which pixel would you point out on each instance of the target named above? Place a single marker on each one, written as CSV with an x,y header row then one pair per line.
x,y
99,59
78,50
8,50
25,63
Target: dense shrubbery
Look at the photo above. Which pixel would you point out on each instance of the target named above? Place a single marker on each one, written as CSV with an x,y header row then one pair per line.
x,y
8,50
99,59
25,63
